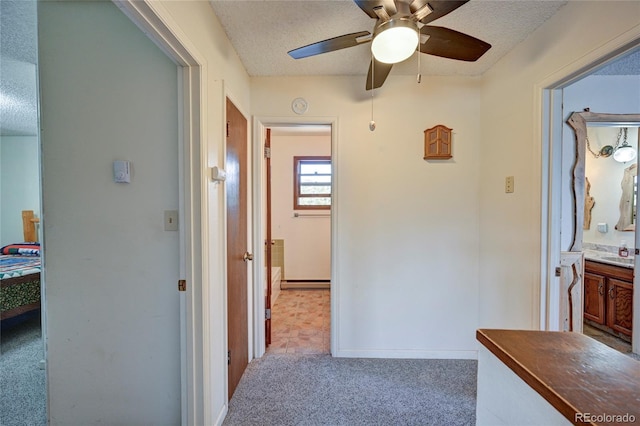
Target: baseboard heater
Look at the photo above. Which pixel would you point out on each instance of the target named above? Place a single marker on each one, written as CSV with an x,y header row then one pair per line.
x,y
305,284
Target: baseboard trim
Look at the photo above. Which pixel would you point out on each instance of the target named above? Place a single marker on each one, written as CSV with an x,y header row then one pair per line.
x,y
301,285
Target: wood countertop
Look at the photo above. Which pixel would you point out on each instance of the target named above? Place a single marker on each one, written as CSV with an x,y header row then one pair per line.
x,y
579,376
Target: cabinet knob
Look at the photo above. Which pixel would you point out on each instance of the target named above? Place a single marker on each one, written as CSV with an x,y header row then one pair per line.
x,y
601,289
612,294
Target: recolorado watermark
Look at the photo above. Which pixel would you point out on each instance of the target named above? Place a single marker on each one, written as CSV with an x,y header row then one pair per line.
x,y
604,418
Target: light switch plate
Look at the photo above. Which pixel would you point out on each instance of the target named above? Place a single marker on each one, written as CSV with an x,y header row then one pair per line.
x,y
170,220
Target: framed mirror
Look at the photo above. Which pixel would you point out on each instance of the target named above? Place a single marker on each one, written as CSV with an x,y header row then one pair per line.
x,y
578,122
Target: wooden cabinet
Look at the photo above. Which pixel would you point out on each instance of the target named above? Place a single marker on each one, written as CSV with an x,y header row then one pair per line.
x,y
608,296
594,289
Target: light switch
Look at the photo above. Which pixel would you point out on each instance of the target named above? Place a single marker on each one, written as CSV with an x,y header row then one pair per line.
x,y
509,184
170,220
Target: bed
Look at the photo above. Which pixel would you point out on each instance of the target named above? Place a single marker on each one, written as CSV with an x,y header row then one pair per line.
x,y
20,272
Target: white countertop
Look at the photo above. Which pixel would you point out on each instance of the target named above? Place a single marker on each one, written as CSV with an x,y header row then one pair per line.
x,y
610,258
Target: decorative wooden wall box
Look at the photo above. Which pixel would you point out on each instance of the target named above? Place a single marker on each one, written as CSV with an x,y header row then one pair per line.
x,y
437,143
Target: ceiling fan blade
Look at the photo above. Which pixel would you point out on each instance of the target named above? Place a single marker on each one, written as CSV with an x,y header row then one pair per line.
x,y
439,8
368,6
452,44
380,73
336,43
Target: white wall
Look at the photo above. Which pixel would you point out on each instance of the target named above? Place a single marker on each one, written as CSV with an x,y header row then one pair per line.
x,y
199,31
510,234
307,240
407,229
111,270
20,184
602,94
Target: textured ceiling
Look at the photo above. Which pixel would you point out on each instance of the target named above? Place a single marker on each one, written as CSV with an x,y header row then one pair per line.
x,y
262,33
18,95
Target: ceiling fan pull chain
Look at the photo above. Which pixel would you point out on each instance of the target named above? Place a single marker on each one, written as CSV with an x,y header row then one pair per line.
x,y
372,123
419,78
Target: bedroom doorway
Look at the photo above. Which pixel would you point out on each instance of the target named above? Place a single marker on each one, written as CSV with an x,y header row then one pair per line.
x,y
298,185
22,335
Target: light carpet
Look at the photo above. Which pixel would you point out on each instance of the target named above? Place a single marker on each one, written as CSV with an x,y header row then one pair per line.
x,y
320,390
22,381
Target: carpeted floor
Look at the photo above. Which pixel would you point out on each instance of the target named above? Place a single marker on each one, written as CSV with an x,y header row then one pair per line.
x,y
22,381
283,389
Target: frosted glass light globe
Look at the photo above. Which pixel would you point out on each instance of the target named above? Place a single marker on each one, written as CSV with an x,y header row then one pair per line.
x,y
395,41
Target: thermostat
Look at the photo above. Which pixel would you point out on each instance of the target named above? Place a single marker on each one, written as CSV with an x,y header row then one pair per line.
x,y
122,171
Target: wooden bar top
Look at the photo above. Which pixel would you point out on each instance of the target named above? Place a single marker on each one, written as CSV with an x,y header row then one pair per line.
x,y
574,373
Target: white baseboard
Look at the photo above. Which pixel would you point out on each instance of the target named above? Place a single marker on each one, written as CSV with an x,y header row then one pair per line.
x,y
299,285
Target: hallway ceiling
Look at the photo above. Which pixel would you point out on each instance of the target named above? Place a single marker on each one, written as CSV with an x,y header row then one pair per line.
x,y
262,32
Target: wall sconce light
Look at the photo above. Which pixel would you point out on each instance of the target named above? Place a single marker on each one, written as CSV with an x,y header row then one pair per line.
x,y
625,152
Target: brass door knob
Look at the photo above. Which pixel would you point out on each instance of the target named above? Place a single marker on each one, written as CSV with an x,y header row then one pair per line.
x,y
247,256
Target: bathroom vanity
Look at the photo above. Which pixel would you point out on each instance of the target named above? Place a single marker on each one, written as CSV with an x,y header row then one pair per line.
x,y
608,294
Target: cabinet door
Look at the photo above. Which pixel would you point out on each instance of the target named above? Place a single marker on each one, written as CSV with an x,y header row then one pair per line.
x,y
594,288
620,306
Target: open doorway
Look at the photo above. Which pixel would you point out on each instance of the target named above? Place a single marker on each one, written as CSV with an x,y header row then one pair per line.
x,y
587,115
316,278
22,347
298,183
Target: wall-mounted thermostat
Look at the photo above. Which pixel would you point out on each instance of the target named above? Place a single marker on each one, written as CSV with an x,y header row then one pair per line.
x,y
218,174
122,171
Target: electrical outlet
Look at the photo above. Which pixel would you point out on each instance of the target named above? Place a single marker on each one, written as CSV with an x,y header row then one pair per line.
x,y
508,184
170,220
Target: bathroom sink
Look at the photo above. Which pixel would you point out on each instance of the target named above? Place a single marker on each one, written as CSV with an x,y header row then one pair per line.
x,y
625,260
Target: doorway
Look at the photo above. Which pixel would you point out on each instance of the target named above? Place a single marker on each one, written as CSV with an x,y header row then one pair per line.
x,y
601,91
23,330
287,128
298,226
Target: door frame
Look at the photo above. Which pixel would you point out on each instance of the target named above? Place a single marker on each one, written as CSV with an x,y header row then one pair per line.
x,y
197,363
549,131
260,123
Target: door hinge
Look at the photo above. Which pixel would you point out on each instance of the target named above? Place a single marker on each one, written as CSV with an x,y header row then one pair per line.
x,y
267,152
558,271
227,129
182,285
267,314
228,357
637,251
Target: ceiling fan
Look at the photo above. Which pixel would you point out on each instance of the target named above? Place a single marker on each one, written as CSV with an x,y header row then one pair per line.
x,y
400,29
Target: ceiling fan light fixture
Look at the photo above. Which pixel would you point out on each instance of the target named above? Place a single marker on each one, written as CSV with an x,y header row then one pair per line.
x,y
395,40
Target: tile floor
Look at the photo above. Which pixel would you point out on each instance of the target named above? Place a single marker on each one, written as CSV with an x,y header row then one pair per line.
x,y
301,322
606,338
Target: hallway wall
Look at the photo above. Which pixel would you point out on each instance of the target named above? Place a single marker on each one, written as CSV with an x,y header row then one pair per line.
x,y
108,93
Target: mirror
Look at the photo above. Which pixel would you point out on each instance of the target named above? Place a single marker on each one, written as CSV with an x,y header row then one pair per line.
x,y
578,122
628,199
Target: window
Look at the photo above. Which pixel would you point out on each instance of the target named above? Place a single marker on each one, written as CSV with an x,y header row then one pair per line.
x,y
312,183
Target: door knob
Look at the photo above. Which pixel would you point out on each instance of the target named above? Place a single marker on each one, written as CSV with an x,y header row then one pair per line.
x,y
247,256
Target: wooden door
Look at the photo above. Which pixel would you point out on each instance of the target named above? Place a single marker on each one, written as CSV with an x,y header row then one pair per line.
x,y
237,254
594,288
268,241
